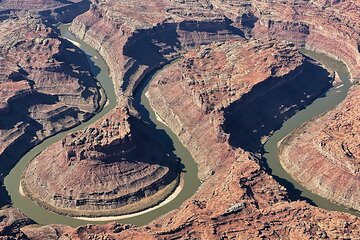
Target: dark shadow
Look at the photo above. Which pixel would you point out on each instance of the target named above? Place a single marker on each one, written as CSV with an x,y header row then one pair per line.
x,y
270,103
293,193
67,13
159,45
77,64
158,135
248,20
19,109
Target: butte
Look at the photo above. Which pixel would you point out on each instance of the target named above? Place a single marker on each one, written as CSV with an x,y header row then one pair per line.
x,y
112,167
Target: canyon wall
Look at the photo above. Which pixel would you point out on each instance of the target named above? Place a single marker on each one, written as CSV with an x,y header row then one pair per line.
x,y
326,28
45,87
51,10
237,198
190,96
330,142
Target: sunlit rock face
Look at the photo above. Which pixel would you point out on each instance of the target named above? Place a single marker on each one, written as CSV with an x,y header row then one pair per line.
x,y
45,86
109,168
237,199
324,154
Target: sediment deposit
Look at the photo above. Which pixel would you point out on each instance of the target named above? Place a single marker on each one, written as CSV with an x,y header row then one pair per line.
x,y
193,96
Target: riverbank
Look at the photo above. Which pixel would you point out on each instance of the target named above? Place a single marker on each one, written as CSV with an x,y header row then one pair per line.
x,y
179,191
292,128
325,161
157,200
162,203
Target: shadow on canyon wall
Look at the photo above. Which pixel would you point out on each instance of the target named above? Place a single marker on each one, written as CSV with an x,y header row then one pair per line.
x,y
268,105
151,49
18,113
63,14
67,13
161,44
162,139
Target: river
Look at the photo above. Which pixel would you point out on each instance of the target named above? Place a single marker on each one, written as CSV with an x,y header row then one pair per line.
x,y
100,69
321,105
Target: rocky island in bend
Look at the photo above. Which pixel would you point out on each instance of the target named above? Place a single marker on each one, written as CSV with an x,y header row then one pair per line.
x,y
110,168
238,77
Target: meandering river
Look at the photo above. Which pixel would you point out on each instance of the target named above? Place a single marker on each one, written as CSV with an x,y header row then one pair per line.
x,y
191,181
100,70
321,105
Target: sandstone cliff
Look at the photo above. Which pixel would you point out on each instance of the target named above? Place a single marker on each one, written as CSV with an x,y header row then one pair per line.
x,y
331,143
45,87
237,199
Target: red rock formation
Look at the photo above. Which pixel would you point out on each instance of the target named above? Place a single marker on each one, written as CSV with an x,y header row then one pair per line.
x,y
45,85
331,143
237,198
239,188
53,10
151,38
109,168
28,5
318,25
209,80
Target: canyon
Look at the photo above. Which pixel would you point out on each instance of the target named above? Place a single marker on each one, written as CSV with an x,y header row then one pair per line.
x,y
45,87
331,143
233,76
110,168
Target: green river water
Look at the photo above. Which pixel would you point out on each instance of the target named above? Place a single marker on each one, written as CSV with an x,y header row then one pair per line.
x,y
100,69
321,105
191,181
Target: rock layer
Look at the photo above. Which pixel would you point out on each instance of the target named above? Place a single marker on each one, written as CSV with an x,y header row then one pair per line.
x,y
237,199
332,144
109,168
45,87
53,10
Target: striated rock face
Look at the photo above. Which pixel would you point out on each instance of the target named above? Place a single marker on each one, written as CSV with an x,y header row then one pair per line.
x,y
192,102
210,80
136,37
196,95
332,144
45,87
109,168
325,26
27,4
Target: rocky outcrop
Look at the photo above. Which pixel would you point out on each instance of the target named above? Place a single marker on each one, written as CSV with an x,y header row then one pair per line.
x,y
211,79
237,199
331,143
317,25
151,39
110,168
191,97
45,87
11,221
